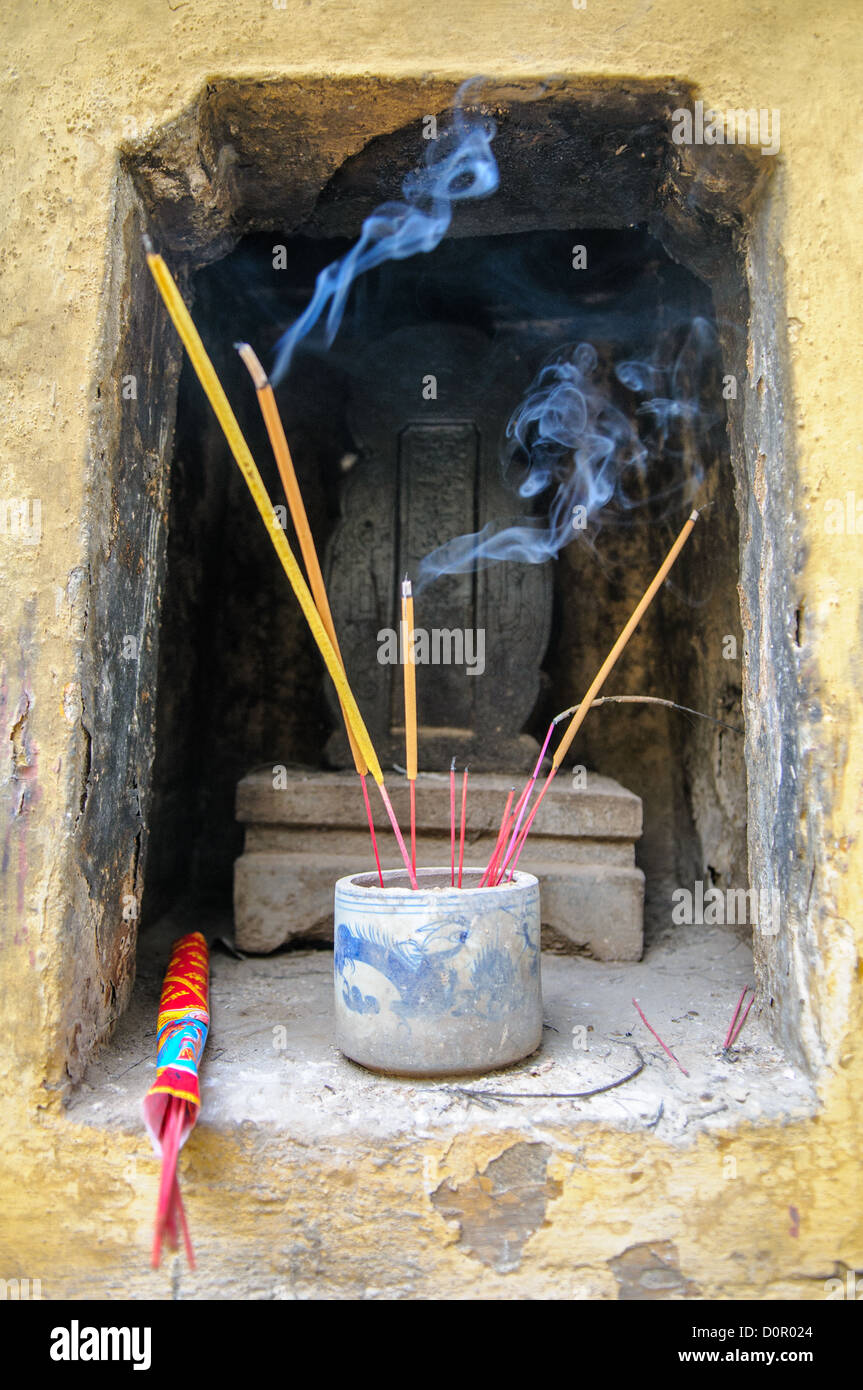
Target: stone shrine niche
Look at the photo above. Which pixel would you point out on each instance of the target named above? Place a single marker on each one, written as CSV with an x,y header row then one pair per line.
x,y
428,470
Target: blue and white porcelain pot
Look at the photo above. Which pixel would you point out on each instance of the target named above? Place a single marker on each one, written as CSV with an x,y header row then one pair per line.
x,y
437,980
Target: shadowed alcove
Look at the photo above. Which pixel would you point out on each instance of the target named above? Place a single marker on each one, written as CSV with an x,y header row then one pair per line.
x,y
230,675
240,680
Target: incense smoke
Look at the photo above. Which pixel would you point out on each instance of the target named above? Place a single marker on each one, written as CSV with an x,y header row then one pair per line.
x,y
458,164
569,440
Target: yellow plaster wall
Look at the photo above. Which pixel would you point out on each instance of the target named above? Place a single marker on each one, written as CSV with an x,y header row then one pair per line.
x,y
77,79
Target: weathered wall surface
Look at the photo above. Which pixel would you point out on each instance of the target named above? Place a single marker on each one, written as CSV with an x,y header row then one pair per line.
x,y
81,79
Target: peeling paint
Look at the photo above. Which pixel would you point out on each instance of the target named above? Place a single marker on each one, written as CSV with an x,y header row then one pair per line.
x,y
499,1208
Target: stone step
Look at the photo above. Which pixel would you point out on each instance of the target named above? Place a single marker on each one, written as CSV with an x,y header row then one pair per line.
x,y
307,830
601,809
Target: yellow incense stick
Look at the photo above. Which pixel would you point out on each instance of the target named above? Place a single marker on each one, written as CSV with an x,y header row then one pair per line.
x,y
206,374
282,453
599,679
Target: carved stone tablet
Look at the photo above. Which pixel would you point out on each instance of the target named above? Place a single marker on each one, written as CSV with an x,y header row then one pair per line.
x,y
429,470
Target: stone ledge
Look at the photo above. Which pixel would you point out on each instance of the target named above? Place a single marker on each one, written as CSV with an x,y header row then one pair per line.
x,y
308,1177
302,837
600,810
287,895
295,1083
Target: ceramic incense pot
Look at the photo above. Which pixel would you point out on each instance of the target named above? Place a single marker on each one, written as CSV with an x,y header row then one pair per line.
x,y
437,981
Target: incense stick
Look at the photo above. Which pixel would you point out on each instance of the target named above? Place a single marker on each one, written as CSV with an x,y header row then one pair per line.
x,y
731,1036
658,1038
503,831
287,473
727,1042
398,834
172,1129
463,814
739,1028
504,823
492,878
604,670
410,681
184,1226
508,833
372,830
531,782
206,374
452,822
650,700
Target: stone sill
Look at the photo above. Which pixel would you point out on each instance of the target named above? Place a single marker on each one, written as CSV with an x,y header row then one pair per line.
x,y
271,1063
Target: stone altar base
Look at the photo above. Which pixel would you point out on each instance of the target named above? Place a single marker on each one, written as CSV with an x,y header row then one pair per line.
x,y
301,837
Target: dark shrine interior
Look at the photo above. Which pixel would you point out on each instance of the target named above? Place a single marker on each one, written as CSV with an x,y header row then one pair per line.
x,y
240,682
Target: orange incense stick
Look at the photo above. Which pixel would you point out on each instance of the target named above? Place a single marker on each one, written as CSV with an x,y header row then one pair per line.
x,y
410,670
287,473
605,669
600,677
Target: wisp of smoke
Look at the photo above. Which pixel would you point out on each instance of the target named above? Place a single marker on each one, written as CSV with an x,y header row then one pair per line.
x,y
568,439
458,164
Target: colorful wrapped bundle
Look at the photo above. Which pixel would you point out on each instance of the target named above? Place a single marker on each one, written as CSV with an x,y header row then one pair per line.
x,y
172,1103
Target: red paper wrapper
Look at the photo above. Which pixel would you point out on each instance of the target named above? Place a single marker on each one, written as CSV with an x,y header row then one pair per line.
x,y
172,1103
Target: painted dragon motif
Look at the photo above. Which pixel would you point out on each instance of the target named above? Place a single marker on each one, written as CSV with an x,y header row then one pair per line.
x,y
423,975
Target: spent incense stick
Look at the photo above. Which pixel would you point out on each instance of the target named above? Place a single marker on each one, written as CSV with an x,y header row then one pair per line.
x,y
287,473
410,670
599,680
739,1029
664,1047
461,834
452,823
731,1036
206,374
528,790
501,836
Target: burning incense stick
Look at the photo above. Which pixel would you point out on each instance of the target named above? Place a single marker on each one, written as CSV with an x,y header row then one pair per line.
x,y
287,473
410,671
282,454
640,610
214,391
463,814
452,823
600,677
